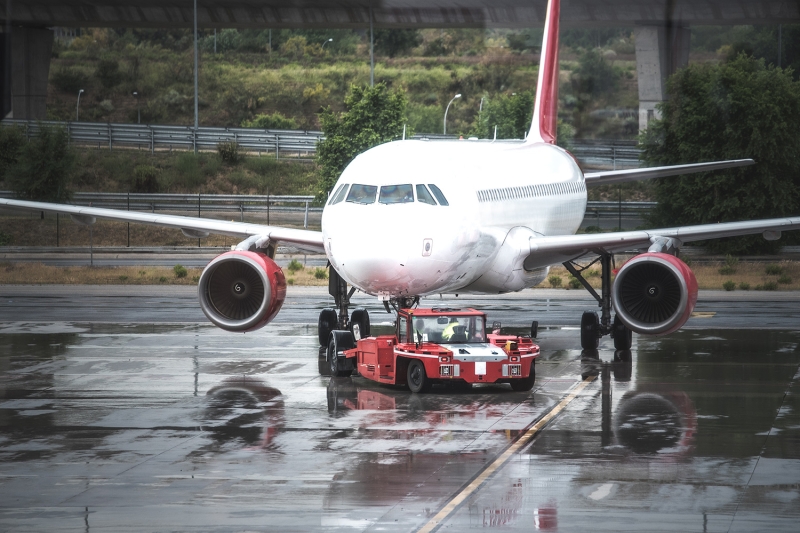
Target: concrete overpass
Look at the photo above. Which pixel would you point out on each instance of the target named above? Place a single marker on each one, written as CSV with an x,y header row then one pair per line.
x,y
661,26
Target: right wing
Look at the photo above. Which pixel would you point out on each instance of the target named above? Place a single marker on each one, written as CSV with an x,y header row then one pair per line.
x,y
635,174
306,240
546,251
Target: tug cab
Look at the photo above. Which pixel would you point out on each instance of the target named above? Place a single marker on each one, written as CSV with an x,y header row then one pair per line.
x,y
439,345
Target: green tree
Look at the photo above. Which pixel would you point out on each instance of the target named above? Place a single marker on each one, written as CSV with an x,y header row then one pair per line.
x,y
373,115
513,115
395,42
735,110
44,168
12,139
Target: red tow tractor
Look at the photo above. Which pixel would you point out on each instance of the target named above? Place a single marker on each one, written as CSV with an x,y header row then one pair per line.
x,y
436,345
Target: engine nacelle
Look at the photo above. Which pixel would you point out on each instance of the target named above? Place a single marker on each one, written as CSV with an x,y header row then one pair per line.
x,y
654,293
241,291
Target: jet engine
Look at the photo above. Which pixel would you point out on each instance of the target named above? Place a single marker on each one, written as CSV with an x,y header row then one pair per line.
x,y
241,291
654,293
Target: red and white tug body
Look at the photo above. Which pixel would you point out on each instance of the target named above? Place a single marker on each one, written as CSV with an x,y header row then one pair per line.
x,y
444,345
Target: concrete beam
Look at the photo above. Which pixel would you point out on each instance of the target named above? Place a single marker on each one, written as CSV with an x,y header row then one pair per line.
x,y
395,13
30,66
660,51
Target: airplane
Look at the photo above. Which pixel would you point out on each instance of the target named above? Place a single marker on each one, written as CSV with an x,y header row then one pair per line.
x,y
410,219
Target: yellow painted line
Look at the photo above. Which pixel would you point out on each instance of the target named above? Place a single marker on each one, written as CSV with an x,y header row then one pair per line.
x,y
703,314
459,498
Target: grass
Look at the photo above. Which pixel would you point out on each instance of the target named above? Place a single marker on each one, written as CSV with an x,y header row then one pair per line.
x,y
710,276
40,274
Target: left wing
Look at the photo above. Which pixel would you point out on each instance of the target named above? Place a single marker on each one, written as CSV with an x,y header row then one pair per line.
x,y
310,241
557,249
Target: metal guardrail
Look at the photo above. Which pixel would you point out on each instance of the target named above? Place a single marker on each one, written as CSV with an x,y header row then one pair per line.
x,y
197,203
298,144
295,143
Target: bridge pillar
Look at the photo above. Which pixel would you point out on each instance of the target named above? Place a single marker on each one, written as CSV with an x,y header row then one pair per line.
x,y
660,51
30,66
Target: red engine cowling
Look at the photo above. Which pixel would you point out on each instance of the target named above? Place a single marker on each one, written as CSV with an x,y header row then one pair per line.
x,y
241,291
654,293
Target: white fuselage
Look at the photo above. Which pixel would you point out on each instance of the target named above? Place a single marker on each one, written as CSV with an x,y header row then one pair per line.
x,y
500,196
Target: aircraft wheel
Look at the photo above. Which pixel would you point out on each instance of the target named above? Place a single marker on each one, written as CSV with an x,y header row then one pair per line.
x,y
526,384
335,364
359,322
417,379
534,329
623,337
590,326
327,323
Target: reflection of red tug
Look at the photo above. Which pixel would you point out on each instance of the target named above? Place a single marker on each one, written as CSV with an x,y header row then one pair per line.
x,y
437,345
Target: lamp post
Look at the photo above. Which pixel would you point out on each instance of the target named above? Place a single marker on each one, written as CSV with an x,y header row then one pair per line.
x,y
448,109
326,42
138,111
480,107
78,106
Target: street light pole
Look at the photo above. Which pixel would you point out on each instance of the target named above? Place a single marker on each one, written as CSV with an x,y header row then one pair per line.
x,y
196,121
448,109
78,106
138,111
326,42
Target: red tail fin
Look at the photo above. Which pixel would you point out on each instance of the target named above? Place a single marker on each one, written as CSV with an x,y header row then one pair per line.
x,y
545,110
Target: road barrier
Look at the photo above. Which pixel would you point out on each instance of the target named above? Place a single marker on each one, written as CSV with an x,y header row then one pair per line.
x,y
298,144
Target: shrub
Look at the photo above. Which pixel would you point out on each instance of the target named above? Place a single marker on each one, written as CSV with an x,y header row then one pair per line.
x,y
229,152
555,281
69,80
275,121
108,73
5,239
162,279
574,283
773,270
768,286
11,142
145,179
729,285
785,280
106,106
180,271
730,265
294,266
321,273
592,229
290,281
594,273
744,286
195,278
123,278
44,168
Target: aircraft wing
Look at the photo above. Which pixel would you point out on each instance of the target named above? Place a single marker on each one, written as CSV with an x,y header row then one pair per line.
x,y
636,174
310,241
557,249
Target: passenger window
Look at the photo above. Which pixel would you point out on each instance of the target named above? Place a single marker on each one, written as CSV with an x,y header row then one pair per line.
x,y
438,194
340,194
396,194
362,194
424,196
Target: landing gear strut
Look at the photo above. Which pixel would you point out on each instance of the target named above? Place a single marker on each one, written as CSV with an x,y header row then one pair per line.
x,y
338,318
592,326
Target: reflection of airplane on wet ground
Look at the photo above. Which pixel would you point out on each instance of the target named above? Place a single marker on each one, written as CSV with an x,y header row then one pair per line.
x,y
409,219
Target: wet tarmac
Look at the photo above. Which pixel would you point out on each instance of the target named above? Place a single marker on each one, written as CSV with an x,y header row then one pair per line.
x,y
133,422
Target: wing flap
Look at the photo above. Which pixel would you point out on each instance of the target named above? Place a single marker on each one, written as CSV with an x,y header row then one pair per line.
x,y
302,239
637,174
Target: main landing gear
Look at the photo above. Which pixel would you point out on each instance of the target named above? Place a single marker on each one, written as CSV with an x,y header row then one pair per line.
x,y
592,326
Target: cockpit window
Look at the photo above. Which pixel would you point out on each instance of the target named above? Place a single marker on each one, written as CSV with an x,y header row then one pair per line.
x,y
339,196
438,194
362,194
424,196
396,194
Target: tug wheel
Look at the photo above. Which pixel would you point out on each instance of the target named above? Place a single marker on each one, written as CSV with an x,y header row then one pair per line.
x,y
417,379
526,384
